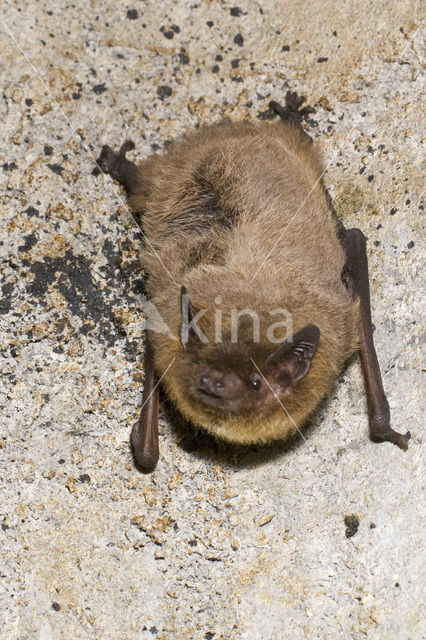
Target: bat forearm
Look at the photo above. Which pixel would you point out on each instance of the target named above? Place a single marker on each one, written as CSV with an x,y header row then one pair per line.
x,y
144,436
378,406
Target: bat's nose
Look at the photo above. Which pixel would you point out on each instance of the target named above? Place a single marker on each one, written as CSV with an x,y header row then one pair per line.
x,y
212,383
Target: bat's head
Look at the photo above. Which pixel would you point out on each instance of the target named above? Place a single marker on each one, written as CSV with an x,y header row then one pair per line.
x,y
237,381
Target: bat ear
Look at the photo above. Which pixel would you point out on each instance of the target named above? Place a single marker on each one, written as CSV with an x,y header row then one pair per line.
x,y
291,361
189,320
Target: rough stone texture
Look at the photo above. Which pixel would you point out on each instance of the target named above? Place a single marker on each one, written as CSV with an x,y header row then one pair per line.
x,y
217,542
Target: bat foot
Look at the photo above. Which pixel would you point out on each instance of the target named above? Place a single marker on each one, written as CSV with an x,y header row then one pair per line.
x,y
116,164
145,454
110,161
292,110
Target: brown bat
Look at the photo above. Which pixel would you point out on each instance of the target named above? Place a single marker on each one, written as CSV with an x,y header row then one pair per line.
x,y
265,292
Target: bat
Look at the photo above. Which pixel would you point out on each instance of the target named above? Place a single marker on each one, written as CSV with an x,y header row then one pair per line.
x,y
265,292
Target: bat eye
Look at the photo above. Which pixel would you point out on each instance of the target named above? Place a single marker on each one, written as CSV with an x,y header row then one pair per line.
x,y
256,384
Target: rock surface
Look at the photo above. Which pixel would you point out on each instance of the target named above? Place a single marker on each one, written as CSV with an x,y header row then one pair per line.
x,y
217,543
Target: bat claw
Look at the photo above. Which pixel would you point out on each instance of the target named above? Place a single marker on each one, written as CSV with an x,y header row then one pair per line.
x,y
128,145
106,161
400,440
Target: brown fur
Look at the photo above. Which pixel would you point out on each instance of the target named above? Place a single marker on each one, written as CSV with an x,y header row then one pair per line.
x,y
214,207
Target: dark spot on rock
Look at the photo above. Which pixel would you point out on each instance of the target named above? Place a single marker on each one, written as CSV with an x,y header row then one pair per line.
x,y
286,47
153,630
47,150
215,68
167,33
192,543
210,23
352,524
219,58
176,28
4,526
235,12
396,584
30,212
408,201
56,168
155,146
372,525
183,58
76,96
84,478
99,88
393,211
237,79
6,297
235,63
56,606
28,102
322,59
239,40
370,149
209,635
132,14
410,245
164,91
29,242
109,250
61,461
376,243
362,170
370,177
131,349
70,275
